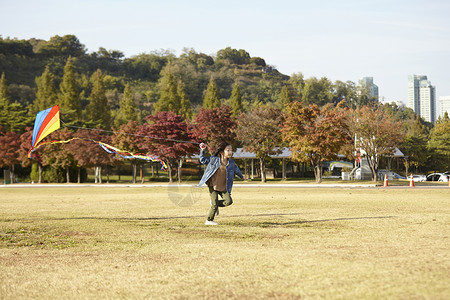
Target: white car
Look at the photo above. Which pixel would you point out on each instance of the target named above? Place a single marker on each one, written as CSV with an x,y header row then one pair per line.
x,y
418,178
441,177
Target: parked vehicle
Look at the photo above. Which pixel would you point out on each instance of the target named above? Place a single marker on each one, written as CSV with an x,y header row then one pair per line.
x,y
418,178
397,176
390,175
441,177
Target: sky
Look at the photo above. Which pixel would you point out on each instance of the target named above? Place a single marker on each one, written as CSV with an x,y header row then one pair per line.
x,y
338,39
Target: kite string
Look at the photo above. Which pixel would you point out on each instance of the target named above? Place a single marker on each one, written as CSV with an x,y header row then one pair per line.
x,y
139,135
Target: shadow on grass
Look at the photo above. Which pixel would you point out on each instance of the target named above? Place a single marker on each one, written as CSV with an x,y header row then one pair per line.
x,y
301,222
241,223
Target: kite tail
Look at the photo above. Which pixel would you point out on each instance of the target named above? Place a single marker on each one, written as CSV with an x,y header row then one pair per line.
x,y
49,142
109,149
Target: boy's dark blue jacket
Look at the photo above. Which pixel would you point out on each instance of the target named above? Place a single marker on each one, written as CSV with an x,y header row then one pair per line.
x,y
214,164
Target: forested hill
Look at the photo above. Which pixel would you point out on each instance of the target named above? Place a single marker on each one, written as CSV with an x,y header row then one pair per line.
x,y
24,60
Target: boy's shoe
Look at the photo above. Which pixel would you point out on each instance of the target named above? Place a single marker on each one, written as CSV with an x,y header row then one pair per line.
x,y
211,223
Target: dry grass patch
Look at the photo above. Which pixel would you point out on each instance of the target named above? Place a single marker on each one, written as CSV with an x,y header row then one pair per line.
x,y
291,243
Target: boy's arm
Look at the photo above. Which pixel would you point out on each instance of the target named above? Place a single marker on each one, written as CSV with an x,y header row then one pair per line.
x,y
203,158
238,172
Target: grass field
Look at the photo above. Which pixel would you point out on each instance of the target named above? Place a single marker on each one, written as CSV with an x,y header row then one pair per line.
x,y
272,243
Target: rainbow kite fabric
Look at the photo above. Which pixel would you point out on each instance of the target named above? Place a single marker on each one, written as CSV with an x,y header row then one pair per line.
x,y
46,122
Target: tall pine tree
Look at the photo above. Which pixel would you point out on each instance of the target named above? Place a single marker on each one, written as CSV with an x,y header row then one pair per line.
x,y
169,100
70,94
98,112
4,97
211,99
13,116
285,96
4,103
46,95
236,100
185,104
127,108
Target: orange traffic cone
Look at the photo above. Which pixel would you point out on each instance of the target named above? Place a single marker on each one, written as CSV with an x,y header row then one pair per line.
x,y
385,184
411,182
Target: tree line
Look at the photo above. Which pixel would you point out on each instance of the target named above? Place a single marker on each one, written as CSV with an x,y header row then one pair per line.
x,y
229,96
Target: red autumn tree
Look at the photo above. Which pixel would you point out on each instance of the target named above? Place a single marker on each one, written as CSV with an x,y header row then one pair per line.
x,y
215,125
168,137
9,151
88,153
24,148
315,134
259,131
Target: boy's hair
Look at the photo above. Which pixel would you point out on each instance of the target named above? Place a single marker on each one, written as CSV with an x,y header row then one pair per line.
x,y
221,147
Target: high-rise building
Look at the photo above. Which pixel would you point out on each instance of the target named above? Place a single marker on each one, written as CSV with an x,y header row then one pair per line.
x,y
422,97
444,105
367,84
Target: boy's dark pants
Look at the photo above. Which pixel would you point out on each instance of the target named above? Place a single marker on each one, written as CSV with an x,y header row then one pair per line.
x,y
216,203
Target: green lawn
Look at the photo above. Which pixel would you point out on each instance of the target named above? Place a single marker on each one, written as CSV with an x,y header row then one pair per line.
x,y
275,243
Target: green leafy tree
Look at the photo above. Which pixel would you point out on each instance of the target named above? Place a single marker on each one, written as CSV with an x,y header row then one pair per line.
x,y
46,95
345,91
363,97
211,99
70,94
439,142
234,56
285,96
67,45
236,100
297,82
317,91
259,131
145,66
98,112
414,145
200,60
316,134
268,91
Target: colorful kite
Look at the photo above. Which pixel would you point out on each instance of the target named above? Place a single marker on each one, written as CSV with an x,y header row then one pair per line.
x,y
48,121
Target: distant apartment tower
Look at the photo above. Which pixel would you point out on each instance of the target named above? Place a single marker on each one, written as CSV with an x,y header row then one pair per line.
x,y
444,106
422,97
367,84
